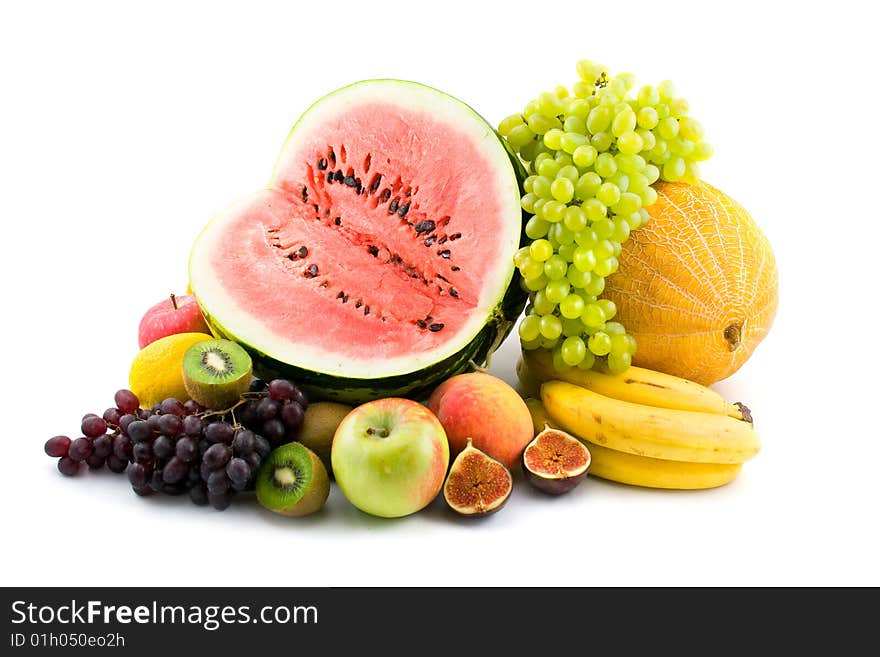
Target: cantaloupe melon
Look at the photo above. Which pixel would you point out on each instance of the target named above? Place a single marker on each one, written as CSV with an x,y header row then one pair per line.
x,y
697,286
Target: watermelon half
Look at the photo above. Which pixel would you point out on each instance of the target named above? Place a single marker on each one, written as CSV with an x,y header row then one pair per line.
x,y
379,260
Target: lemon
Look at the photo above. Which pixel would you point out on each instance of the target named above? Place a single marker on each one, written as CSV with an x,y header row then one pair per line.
x,y
157,371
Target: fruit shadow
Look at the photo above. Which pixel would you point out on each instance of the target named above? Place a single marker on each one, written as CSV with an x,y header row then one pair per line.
x,y
600,485
336,507
355,518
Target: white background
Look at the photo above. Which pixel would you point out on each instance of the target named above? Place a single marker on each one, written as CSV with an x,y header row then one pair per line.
x,y
124,128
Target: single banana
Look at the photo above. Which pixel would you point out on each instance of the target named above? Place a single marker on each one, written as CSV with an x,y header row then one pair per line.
x,y
658,473
641,470
661,433
540,419
637,384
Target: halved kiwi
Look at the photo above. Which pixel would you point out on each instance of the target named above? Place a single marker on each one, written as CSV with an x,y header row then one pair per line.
x,y
292,481
216,372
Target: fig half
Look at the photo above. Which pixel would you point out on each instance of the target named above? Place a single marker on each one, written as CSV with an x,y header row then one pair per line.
x,y
477,484
555,462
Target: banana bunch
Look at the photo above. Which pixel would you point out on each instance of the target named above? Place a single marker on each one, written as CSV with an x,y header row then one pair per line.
x,y
642,427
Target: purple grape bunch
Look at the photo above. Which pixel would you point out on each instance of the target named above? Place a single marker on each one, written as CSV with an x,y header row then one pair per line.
x,y
178,447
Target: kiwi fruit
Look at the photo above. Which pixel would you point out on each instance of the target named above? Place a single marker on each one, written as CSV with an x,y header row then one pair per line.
x,y
319,426
292,481
216,373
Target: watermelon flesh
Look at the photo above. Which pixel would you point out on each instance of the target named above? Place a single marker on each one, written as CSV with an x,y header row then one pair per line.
x,y
380,258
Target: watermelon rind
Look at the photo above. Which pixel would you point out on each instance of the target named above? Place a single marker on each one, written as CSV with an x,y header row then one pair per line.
x,y
421,379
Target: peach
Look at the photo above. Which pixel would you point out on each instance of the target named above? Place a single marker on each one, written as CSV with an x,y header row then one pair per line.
x,y
487,410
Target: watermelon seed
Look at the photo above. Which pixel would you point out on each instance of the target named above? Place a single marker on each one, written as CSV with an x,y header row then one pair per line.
x,y
322,164
303,251
435,327
454,236
403,210
377,180
445,253
311,272
315,207
332,157
324,284
349,180
340,295
422,323
442,277
453,292
330,177
338,221
425,226
305,194
385,195
393,207
430,240
374,251
338,177
358,303
455,267
366,310
443,240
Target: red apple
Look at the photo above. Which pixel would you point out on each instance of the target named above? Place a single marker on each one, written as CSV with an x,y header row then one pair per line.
x,y
169,317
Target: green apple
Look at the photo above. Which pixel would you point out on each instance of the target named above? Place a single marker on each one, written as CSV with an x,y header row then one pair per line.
x,y
390,457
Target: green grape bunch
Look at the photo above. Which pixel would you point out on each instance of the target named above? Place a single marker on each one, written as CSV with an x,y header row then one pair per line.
x,y
593,155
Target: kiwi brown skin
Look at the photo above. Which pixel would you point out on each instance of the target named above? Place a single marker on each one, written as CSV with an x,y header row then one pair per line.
x,y
316,493
226,389
319,426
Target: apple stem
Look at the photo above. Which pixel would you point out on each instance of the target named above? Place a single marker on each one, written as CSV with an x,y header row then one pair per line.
x,y
382,432
174,301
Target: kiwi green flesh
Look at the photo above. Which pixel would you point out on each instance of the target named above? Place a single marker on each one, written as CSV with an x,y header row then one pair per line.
x,y
292,481
216,372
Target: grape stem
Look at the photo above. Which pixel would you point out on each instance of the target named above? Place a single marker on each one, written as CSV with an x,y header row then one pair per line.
x,y
477,368
223,411
245,397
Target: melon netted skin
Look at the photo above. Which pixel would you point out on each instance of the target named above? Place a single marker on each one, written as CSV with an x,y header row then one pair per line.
x,y
379,259
697,287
